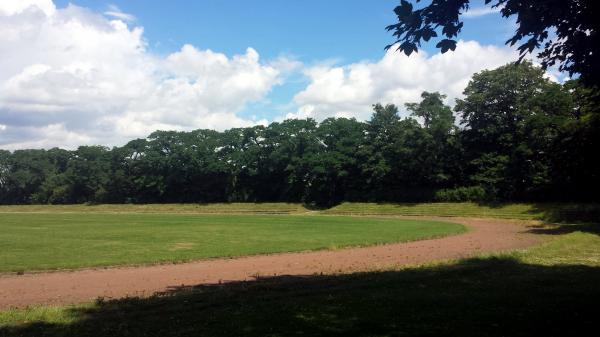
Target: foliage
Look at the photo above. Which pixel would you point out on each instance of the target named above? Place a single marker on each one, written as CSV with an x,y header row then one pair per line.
x,y
566,31
461,194
511,116
522,138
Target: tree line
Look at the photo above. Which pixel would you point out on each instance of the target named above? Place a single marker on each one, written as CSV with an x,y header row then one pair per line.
x,y
515,136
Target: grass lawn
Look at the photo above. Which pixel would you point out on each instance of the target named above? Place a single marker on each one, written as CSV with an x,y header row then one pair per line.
x,y
549,290
555,212
42,241
216,208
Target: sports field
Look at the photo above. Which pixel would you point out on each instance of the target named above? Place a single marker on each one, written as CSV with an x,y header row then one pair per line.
x,y
547,289
69,240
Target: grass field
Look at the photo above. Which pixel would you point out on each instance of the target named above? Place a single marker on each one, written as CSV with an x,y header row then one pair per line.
x,y
556,212
42,241
550,290
217,208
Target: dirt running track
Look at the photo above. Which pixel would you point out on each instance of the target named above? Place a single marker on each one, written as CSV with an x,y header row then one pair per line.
x,y
66,287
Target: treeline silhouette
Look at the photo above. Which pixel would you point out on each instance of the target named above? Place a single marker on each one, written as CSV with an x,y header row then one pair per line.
x,y
522,137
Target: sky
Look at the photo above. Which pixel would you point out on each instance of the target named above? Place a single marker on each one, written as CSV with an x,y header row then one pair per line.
x,y
95,72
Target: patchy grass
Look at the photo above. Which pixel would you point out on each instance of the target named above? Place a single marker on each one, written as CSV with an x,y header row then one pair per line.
x,y
37,241
549,211
217,208
555,212
549,290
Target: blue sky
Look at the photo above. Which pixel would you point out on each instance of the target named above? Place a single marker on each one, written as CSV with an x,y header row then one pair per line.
x,y
104,81
310,30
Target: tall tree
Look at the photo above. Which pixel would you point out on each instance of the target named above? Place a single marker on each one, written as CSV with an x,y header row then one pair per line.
x,y
436,116
333,173
443,149
511,115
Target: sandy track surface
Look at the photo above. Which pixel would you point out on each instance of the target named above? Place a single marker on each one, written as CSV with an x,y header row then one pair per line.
x,y
67,287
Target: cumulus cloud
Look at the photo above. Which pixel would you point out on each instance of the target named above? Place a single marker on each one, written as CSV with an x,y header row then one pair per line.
x,y
350,90
10,7
70,76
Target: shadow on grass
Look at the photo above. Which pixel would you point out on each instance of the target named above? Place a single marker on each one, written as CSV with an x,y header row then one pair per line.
x,y
560,229
561,213
557,212
478,297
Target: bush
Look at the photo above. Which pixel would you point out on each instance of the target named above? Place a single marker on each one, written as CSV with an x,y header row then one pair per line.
x,y
461,194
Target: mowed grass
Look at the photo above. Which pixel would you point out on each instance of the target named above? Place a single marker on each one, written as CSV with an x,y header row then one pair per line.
x,y
555,212
44,241
216,208
548,290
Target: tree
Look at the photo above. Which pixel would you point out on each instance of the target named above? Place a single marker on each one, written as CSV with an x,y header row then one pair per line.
x,y
437,116
567,31
381,134
524,137
574,171
443,152
333,173
87,174
288,145
511,116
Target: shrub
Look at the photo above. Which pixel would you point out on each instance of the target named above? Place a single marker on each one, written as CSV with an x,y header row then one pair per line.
x,y
460,194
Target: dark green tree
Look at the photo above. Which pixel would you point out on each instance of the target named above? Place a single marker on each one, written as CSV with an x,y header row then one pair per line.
x,y
511,116
442,167
333,173
437,117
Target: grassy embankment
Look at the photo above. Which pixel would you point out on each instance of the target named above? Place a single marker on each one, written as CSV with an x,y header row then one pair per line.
x,y
541,211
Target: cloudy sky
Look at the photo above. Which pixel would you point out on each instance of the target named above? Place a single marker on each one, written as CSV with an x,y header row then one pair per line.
x,y
104,72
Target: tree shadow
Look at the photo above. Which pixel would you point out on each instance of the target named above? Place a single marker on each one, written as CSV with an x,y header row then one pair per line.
x,y
476,297
557,212
564,213
560,229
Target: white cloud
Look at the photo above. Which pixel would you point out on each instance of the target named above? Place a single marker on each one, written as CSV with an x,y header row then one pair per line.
x,y
70,77
11,7
350,90
480,11
115,12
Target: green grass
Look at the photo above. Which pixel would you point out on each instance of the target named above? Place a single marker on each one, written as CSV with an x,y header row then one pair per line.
x,y
556,212
544,211
37,241
217,208
549,290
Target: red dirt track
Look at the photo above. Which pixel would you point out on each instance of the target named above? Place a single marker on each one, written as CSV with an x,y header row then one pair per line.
x,y
67,287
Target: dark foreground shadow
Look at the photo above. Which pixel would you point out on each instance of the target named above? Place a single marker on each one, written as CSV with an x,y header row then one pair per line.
x,y
479,297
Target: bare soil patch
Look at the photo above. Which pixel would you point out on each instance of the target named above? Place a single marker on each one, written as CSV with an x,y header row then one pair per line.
x,y
68,287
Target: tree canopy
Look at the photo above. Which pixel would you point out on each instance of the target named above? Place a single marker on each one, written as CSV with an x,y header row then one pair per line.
x,y
521,137
563,32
